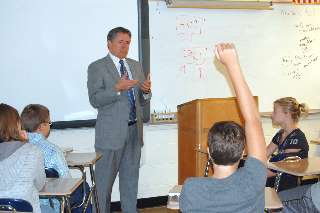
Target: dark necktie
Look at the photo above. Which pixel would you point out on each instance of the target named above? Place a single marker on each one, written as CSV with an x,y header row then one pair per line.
x,y
132,115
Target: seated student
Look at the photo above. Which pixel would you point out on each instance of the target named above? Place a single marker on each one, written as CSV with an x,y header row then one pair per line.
x,y
289,140
21,164
231,189
36,120
301,199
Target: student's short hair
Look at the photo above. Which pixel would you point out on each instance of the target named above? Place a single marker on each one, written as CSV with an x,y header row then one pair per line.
x,y
292,106
226,141
33,115
9,123
113,33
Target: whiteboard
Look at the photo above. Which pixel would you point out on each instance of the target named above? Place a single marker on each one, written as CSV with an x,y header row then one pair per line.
x,y
46,47
279,51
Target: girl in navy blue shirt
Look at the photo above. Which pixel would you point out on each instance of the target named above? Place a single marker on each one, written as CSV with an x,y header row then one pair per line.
x,y
289,140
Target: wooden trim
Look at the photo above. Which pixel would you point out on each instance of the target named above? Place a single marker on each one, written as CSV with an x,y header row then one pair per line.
x,y
311,112
255,5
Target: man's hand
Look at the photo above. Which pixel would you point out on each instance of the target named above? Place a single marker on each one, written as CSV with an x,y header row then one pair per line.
x,y
146,85
124,84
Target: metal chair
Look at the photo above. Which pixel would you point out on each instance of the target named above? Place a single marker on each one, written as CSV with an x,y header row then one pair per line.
x,y
206,170
15,205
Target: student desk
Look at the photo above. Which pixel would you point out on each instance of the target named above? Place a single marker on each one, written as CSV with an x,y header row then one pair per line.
x,y
60,188
272,200
300,168
80,161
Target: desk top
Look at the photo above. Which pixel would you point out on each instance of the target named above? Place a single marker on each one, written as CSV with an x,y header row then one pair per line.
x,y
82,159
272,200
59,186
303,167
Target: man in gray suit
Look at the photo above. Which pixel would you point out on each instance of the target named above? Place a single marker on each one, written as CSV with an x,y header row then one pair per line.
x,y
118,89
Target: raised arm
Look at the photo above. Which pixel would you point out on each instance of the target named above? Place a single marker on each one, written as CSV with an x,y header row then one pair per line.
x,y
256,146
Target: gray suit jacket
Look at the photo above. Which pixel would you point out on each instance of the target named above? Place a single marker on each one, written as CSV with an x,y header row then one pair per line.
x,y
113,109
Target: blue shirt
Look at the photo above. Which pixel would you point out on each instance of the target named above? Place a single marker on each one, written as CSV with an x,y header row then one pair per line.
x,y
53,155
53,158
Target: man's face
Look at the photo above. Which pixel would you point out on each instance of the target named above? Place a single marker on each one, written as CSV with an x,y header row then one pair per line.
x,y
119,46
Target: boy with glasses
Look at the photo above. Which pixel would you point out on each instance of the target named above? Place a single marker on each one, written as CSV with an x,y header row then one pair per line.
x,y
35,119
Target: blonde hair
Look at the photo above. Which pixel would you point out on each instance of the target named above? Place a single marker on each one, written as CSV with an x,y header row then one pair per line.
x,y
292,106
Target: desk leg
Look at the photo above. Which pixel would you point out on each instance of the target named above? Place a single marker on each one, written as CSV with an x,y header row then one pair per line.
x,y
85,201
299,180
94,188
68,204
62,204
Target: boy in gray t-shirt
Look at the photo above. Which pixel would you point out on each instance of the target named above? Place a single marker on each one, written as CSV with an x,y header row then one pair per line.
x,y
231,189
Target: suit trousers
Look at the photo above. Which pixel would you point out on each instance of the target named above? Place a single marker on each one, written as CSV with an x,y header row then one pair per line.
x,y
126,161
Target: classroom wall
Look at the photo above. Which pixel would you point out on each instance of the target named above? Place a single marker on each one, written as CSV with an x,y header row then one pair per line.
x,y
52,43
159,164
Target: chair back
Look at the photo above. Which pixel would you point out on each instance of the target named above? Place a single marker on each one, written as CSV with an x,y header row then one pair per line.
x,y
51,173
292,159
206,170
15,205
289,156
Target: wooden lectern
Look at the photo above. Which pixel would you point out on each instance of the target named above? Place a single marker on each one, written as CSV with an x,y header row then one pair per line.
x,y
195,118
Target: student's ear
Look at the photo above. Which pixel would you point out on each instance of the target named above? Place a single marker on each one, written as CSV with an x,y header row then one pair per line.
x,y
243,153
40,127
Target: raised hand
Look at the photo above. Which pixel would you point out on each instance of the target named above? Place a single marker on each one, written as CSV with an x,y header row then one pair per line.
x,y
226,53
